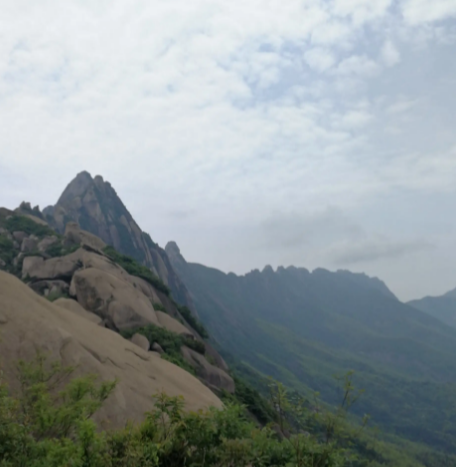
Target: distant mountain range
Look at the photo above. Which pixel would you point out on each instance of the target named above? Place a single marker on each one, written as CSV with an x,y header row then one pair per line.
x,y
443,307
305,327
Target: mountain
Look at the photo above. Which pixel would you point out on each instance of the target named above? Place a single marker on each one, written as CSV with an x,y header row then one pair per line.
x,y
95,206
442,308
304,327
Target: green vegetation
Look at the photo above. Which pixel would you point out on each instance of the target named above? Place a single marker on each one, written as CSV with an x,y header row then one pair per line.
x,y
136,269
53,296
302,328
17,223
7,253
170,342
159,307
57,249
40,426
193,322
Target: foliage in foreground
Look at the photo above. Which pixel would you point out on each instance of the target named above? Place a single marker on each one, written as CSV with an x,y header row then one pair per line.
x,y
39,427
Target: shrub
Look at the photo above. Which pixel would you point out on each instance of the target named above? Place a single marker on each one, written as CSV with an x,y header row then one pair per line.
x,y
39,427
169,341
24,224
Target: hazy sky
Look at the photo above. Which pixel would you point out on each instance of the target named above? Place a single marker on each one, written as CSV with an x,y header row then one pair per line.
x,y
305,132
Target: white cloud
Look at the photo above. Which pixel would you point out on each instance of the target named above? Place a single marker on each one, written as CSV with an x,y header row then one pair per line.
x,y
390,55
426,11
319,59
227,110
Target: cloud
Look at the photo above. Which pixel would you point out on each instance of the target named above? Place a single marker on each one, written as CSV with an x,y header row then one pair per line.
x,y
192,107
390,55
374,249
319,59
417,12
297,229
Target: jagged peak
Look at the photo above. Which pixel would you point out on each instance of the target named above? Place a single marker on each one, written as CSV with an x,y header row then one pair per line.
x,y
172,247
77,187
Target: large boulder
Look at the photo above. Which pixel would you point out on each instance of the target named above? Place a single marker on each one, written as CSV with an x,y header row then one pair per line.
x,y
74,235
172,324
214,377
74,307
29,244
37,268
141,341
118,302
46,242
29,322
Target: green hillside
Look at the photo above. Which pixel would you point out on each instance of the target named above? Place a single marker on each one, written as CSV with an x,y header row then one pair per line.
x,y
303,328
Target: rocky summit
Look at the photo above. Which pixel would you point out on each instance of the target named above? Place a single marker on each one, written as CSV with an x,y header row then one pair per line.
x,y
95,206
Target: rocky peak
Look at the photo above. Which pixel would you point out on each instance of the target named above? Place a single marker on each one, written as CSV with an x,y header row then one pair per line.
x,y
76,188
174,254
95,206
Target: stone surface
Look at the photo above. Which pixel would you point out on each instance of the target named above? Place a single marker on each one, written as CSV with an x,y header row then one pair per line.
x,y
29,244
74,307
31,322
156,347
19,236
74,235
172,324
44,244
95,206
63,267
115,300
141,341
210,374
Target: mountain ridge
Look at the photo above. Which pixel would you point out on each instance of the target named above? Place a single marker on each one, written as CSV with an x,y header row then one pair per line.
x,y
303,327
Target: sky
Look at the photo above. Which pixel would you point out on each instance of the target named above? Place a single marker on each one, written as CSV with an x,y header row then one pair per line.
x,y
313,133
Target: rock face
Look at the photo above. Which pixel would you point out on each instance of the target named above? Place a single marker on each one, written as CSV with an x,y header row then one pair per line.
x,y
94,205
213,376
141,341
115,300
28,322
74,307
76,270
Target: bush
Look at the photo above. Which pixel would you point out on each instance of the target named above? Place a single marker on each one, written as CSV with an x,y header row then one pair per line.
x,y
135,269
159,307
169,341
7,253
39,428
23,224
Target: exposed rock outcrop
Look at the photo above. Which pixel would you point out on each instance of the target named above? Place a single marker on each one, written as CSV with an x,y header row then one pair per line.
x,y
213,376
94,205
141,341
74,307
29,322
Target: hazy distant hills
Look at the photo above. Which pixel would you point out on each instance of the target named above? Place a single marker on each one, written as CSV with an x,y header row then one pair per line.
x,y
304,327
443,307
